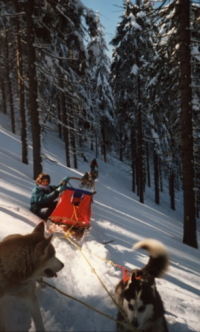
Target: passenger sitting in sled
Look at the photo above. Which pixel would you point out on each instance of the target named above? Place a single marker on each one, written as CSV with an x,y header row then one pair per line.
x,y
44,196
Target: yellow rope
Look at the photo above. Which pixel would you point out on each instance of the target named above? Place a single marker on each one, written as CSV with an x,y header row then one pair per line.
x,y
74,214
104,286
67,234
88,306
91,253
93,270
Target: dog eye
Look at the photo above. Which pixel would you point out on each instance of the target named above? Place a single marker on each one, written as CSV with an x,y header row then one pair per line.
x,y
142,308
130,307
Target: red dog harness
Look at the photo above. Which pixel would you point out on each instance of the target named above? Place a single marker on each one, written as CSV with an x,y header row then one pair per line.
x,y
125,275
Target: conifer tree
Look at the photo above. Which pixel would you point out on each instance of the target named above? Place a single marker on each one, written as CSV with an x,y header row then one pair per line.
x,y
21,90
133,50
33,90
171,86
189,236
103,107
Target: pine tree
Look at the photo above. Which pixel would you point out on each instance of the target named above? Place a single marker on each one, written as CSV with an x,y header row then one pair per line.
x,y
133,51
103,105
21,91
163,90
189,237
33,90
195,68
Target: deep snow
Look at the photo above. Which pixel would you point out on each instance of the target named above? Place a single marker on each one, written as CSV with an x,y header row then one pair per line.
x,y
117,218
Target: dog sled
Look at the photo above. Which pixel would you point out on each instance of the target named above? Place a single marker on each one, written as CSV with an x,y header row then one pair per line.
x,y
72,214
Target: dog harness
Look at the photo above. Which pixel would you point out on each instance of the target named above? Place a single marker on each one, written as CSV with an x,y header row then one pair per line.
x,y
125,275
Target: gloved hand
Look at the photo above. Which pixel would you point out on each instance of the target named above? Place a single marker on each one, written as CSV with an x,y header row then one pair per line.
x,y
66,179
61,188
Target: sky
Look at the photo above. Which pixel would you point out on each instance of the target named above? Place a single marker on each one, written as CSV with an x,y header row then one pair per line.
x,y
117,222
109,13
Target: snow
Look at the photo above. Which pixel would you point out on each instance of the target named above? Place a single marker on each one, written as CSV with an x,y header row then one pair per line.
x,y
118,221
133,23
134,69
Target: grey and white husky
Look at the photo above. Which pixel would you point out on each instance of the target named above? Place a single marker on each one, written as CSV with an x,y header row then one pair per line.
x,y
139,302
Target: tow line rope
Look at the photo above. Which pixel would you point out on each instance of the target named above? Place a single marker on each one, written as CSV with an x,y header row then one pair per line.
x,y
88,306
125,270
104,286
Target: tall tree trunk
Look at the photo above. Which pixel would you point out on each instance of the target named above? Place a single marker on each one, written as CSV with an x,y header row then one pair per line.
x,y
8,77
148,167
189,236
156,178
59,116
96,145
140,146
121,146
65,118
160,176
33,93
172,191
137,172
133,158
3,97
65,128
103,140
92,140
21,89
73,139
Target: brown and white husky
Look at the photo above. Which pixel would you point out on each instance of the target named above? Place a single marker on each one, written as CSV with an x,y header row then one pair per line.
x,y
24,259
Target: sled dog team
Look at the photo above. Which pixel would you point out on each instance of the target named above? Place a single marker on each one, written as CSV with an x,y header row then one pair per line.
x,y
25,259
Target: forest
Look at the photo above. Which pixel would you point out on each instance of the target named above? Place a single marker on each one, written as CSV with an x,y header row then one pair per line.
x,y
142,104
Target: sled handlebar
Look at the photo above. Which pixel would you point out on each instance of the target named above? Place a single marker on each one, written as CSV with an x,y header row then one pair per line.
x,y
84,180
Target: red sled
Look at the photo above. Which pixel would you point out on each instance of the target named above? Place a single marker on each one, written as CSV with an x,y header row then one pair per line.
x,y
73,211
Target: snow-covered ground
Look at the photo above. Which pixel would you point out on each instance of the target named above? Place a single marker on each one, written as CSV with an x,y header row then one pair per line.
x,y
118,221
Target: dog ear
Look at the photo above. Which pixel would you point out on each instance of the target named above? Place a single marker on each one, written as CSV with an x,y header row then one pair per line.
x,y
39,229
43,245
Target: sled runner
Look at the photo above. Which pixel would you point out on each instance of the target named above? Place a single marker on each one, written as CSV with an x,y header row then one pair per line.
x,y
73,211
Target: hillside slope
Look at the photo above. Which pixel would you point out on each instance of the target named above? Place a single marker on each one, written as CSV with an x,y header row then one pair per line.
x,y
118,221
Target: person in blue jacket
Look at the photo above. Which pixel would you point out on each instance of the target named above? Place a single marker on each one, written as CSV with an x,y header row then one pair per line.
x,y
44,197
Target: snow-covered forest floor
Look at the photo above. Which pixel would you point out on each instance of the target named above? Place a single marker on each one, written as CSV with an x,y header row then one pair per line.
x,y
118,221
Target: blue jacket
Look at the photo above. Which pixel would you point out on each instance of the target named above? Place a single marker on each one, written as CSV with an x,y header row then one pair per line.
x,y
41,198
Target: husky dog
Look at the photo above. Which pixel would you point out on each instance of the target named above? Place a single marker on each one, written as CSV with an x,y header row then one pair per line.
x,y
84,157
95,174
87,181
24,259
139,302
